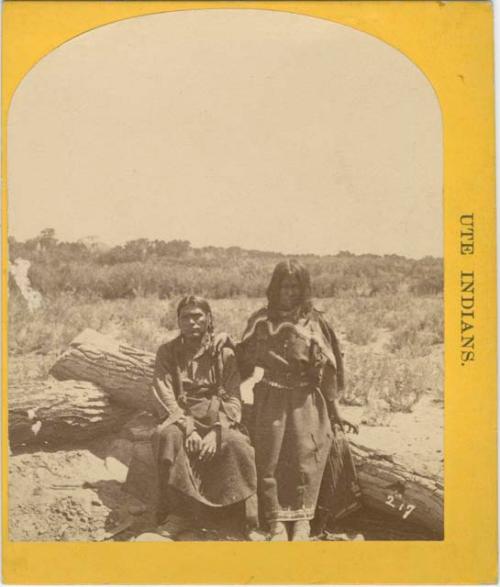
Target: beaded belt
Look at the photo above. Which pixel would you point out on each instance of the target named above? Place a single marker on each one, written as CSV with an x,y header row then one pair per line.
x,y
288,382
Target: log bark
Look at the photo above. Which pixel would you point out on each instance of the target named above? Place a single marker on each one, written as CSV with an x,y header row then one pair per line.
x,y
123,371
390,486
387,485
409,502
402,494
57,412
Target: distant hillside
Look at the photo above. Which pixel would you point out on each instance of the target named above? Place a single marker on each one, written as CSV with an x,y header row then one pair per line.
x,y
143,267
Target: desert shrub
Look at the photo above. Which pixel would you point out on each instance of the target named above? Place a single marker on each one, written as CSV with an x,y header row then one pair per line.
x,y
393,383
144,322
61,318
166,269
411,342
359,332
411,325
231,315
388,379
406,386
422,328
356,320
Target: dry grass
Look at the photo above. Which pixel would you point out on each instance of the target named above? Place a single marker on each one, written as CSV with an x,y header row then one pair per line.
x,y
390,383
391,343
143,321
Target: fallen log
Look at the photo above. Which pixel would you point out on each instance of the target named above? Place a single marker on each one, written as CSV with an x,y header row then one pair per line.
x,y
123,371
55,412
387,484
389,487
407,500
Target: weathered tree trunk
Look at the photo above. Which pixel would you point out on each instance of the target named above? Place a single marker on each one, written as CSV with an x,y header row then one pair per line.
x,y
390,487
123,371
54,412
407,500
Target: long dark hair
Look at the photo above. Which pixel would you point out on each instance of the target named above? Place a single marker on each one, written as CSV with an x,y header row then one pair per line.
x,y
202,303
289,268
198,302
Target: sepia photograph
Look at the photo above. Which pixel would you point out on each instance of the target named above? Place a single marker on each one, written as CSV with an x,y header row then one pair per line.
x,y
225,285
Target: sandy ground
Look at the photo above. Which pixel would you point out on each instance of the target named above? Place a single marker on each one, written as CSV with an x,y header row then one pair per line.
x,y
69,495
78,494
416,438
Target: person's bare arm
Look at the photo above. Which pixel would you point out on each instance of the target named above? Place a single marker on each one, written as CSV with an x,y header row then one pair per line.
x,y
334,381
336,418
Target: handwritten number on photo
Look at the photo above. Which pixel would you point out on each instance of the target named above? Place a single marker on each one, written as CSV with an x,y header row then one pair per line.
x,y
406,508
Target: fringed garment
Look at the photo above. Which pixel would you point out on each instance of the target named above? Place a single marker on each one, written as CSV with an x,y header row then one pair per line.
x,y
201,393
298,455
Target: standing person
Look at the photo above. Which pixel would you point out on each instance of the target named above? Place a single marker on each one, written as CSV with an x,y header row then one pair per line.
x,y
202,455
296,415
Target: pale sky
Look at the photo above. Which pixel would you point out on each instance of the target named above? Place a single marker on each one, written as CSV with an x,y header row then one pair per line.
x,y
248,128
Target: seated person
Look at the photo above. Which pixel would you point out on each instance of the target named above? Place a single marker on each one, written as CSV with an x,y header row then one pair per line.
x,y
203,456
